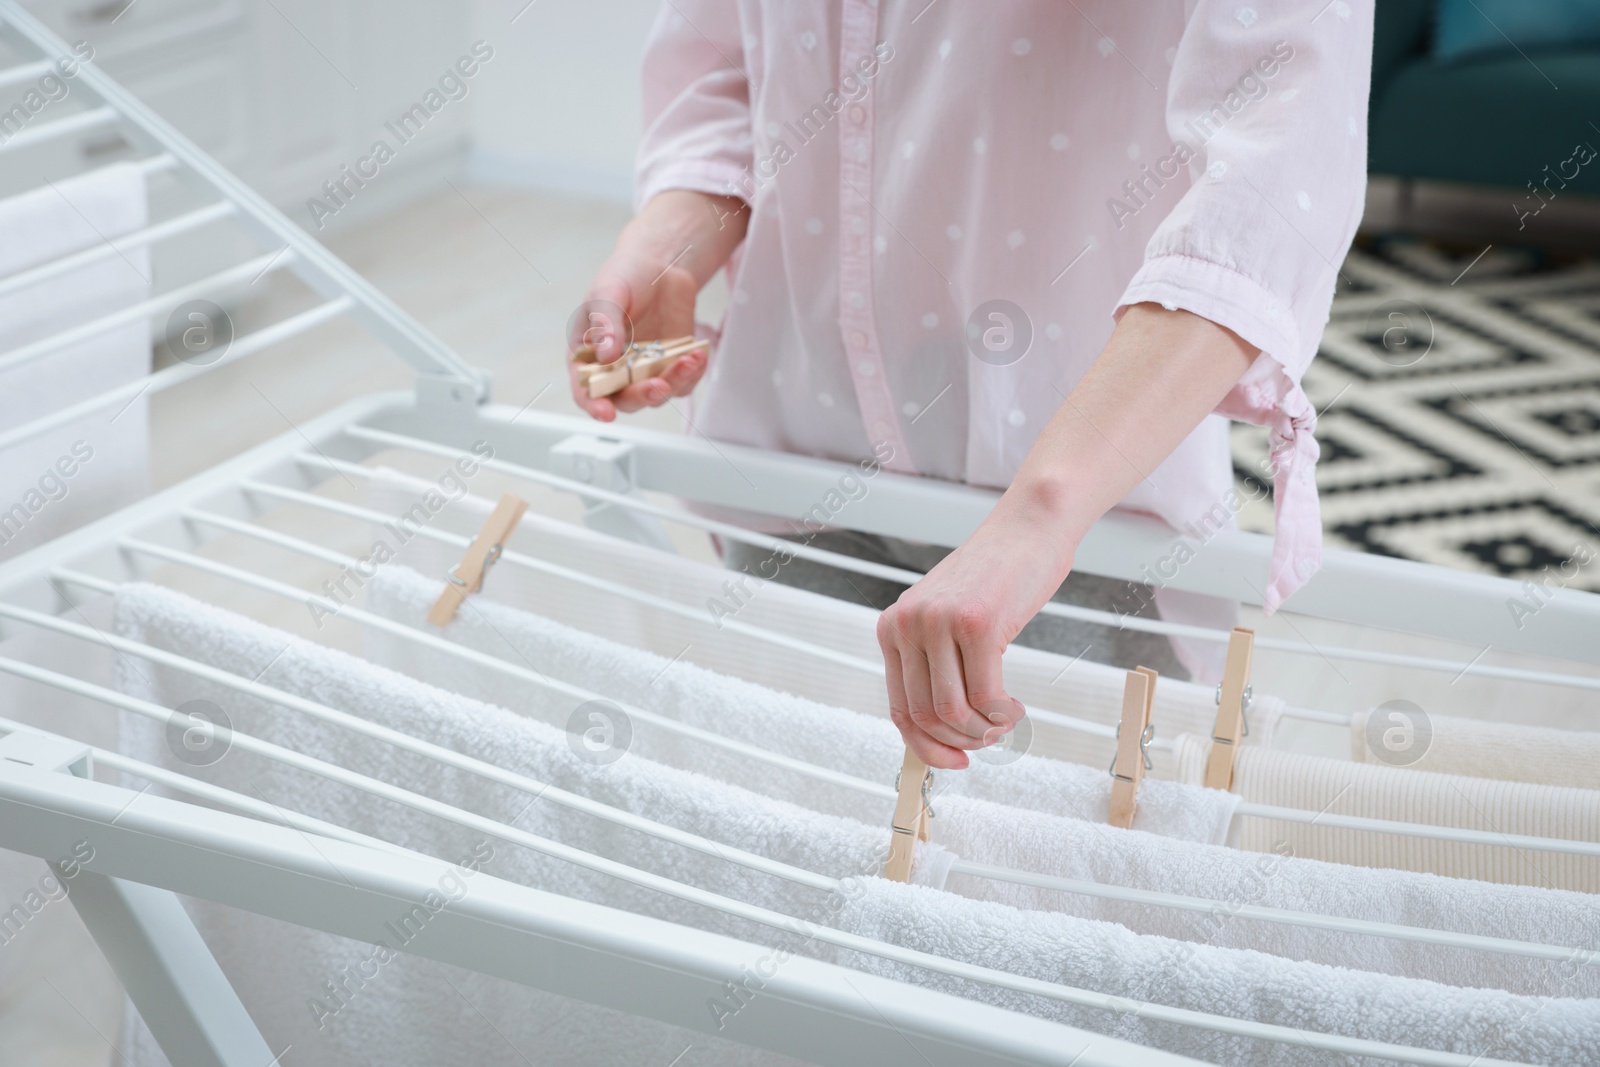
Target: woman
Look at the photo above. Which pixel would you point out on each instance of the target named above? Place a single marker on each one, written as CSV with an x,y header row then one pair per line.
x,y
1046,247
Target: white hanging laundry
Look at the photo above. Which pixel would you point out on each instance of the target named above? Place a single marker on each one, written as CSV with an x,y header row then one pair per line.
x,y
87,468
1143,970
1378,791
403,1013
1481,748
1082,688
327,996
865,746
1106,855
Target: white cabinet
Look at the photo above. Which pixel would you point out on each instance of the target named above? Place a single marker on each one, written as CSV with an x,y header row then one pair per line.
x,y
283,92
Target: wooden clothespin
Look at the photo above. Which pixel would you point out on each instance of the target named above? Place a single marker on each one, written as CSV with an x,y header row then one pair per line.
x,y
466,577
911,811
1133,734
1233,697
638,362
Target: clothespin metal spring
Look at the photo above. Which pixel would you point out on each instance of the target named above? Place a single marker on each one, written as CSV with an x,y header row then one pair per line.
x,y
1244,709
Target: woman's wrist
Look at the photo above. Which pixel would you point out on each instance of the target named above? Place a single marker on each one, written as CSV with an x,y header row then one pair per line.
x,y
689,229
1051,509
1037,530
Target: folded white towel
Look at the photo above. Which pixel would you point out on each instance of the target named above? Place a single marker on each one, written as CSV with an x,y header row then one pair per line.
x,y
1378,791
391,1018
1080,688
1140,969
88,468
865,746
1095,852
1512,752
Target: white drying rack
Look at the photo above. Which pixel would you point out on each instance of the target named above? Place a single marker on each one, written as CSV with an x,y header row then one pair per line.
x,y
257,857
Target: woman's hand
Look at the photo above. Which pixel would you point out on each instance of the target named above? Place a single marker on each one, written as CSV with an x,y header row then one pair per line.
x,y
943,639
646,291
1160,374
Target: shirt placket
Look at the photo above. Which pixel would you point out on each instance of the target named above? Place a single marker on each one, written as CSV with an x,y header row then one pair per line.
x,y
857,39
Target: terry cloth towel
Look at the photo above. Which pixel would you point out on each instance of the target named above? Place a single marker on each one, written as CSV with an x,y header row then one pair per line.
x,y
1080,688
1378,791
1311,997
865,746
1096,852
409,1015
391,1019
72,474
1484,749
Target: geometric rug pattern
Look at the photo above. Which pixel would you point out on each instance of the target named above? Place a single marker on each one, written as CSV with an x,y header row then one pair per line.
x,y
1460,411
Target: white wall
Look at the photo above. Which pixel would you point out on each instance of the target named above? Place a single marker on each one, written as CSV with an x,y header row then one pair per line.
x,y
558,108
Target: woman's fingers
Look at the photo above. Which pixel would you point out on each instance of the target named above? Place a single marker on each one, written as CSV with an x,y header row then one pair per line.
x,y
679,379
925,716
981,668
950,701
597,407
685,372
650,393
931,752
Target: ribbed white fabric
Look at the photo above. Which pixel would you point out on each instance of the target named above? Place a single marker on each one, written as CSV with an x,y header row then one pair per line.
x,y
1378,791
326,997
1511,752
865,746
1081,688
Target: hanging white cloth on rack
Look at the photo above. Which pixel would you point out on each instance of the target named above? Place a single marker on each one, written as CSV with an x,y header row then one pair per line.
x,y
867,747
404,1013
1378,791
398,1026
1081,688
1142,970
1106,855
1511,752
65,477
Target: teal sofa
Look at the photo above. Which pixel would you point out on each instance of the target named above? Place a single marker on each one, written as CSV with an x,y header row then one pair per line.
x,y
1493,121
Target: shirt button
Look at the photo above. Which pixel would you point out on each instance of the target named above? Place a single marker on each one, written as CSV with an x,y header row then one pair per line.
x,y
858,114
867,368
858,339
881,428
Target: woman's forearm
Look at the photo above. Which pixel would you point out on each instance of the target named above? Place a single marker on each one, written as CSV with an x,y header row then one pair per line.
x,y
1158,376
688,229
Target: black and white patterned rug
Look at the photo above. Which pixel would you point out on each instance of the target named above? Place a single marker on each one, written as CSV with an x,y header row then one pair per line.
x,y
1460,400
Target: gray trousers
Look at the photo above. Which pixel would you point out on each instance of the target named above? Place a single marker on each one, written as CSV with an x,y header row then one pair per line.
x,y
1070,637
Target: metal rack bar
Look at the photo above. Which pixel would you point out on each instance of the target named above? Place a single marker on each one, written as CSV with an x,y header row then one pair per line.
x,y
23,72
46,132
189,220
246,273
1351,586
163,380
518,559
907,577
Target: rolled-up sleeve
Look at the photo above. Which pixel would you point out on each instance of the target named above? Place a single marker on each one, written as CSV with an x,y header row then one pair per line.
x,y
1271,100
696,102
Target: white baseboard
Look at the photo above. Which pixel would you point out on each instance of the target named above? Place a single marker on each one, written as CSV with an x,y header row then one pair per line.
x,y
548,174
